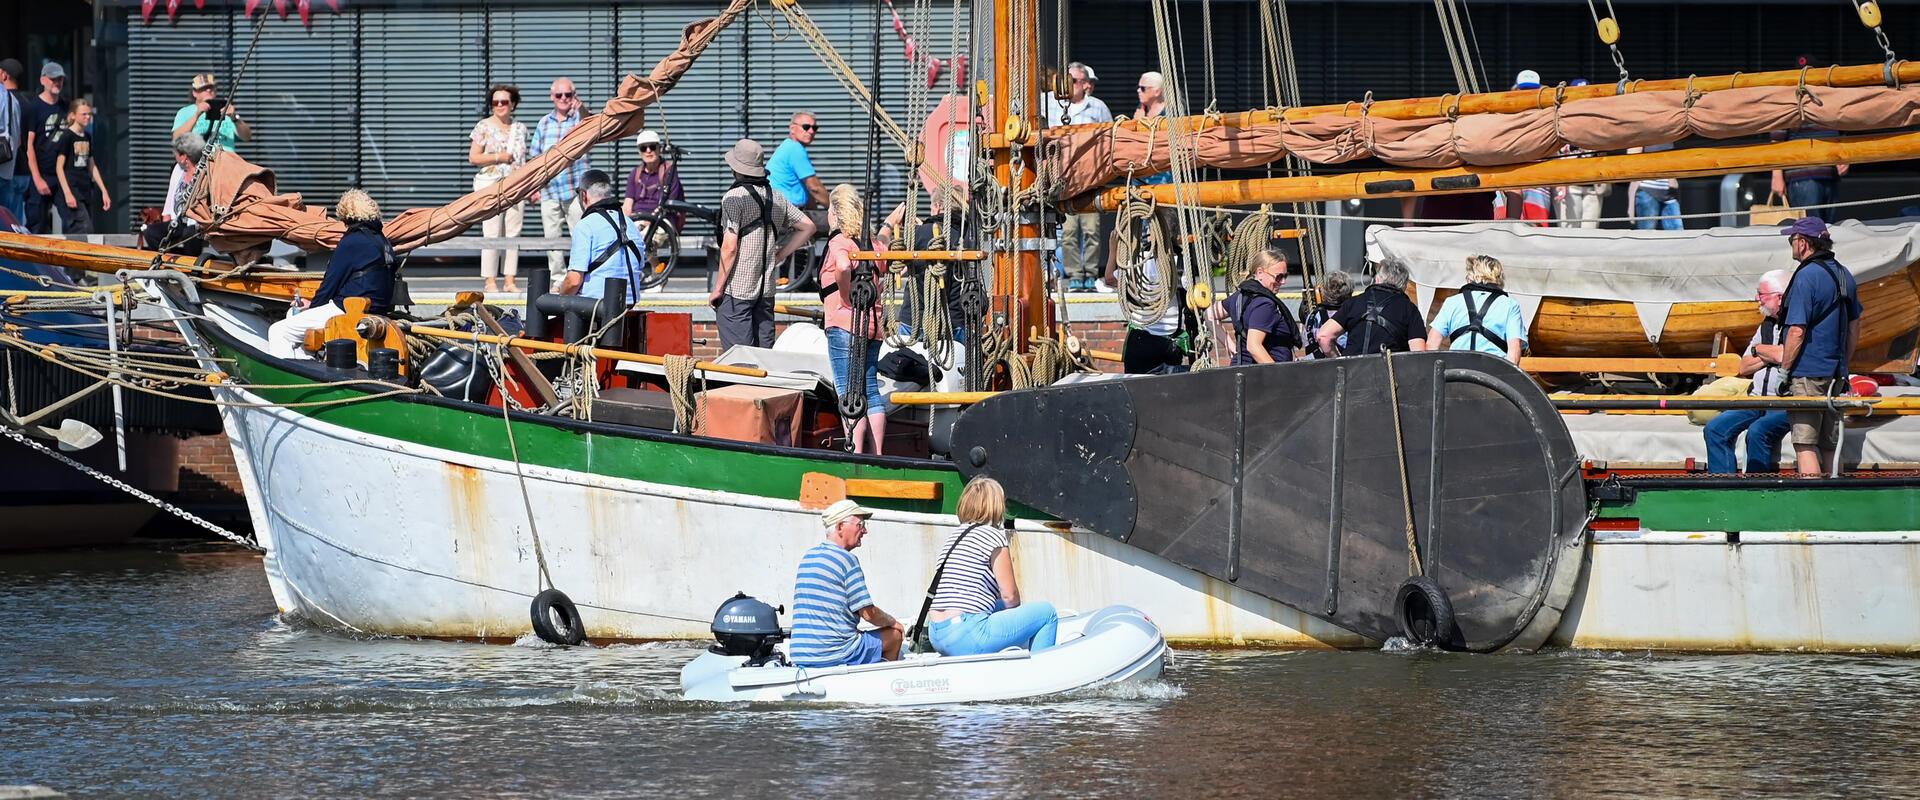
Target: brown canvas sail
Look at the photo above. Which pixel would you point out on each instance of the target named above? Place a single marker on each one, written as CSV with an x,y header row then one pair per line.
x,y
1087,158
253,213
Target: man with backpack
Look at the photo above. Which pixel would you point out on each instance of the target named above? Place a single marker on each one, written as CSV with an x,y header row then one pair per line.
x,y
760,228
1380,319
1822,317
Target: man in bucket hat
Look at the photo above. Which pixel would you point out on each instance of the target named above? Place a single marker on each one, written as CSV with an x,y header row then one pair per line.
x,y
830,598
1822,317
759,229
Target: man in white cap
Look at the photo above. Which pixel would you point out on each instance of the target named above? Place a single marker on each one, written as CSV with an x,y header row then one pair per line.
x,y
830,598
46,115
760,229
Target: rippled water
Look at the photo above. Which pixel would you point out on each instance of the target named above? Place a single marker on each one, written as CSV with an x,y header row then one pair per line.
x,y
164,672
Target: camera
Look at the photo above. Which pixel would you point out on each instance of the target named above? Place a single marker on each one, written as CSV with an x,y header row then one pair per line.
x,y
216,109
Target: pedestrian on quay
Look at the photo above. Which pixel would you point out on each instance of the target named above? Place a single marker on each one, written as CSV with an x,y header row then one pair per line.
x,y
1481,316
790,169
14,180
1761,362
606,244
198,116
558,203
1810,188
847,215
1823,315
46,115
1380,319
174,232
1082,235
82,192
1263,331
830,598
1656,201
653,182
760,229
1334,289
498,146
1152,348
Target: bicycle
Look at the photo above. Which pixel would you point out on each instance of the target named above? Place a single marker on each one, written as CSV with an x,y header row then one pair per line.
x,y
795,274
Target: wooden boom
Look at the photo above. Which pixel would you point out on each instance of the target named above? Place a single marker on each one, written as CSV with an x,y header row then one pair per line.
x,y
1689,163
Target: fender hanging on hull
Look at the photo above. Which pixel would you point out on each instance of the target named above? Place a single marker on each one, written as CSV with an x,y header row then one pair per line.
x,y
1282,479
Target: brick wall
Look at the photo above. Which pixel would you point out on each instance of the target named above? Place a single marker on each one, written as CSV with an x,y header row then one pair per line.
x,y
208,475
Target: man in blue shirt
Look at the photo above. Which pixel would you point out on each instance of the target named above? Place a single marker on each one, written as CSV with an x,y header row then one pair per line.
x,y
557,201
830,598
790,169
606,244
1823,315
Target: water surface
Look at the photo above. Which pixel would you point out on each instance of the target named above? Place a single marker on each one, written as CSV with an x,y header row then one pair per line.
x,y
162,671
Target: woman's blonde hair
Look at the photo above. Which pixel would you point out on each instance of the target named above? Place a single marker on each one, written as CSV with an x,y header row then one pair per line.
x,y
1487,270
848,210
1263,258
356,206
983,502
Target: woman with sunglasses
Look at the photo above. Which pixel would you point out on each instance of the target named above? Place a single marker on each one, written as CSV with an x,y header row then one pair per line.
x,y
497,146
653,182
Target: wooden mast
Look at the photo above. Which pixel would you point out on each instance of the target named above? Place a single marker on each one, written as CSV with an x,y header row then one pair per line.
x,y
1019,283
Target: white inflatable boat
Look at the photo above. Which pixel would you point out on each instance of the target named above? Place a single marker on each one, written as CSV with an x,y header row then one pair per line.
x,y
1116,644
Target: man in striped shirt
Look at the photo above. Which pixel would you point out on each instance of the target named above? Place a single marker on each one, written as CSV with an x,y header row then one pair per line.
x,y
557,199
830,598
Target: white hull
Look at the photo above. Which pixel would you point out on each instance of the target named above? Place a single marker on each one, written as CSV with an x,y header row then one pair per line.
x,y
377,535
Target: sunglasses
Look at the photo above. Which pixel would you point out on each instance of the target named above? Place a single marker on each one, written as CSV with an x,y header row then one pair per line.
x,y
207,89
809,126
563,95
502,103
648,148
1142,88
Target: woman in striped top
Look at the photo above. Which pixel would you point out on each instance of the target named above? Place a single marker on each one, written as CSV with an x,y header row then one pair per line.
x,y
976,603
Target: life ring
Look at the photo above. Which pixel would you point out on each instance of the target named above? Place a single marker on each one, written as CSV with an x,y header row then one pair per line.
x,y
556,620
1426,614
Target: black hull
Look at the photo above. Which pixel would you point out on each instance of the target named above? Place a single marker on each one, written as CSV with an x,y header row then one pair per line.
x,y
1284,480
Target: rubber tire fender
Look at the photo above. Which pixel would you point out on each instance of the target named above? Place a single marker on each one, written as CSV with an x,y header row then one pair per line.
x,y
1425,614
556,620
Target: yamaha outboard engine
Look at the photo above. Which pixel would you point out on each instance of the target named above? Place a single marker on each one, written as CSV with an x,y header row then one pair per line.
x,y
747,627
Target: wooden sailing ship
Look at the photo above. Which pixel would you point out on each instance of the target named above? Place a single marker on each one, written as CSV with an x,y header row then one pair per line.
x,y
386,510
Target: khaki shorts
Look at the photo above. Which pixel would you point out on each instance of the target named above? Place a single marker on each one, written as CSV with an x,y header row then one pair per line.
x,y
1811,427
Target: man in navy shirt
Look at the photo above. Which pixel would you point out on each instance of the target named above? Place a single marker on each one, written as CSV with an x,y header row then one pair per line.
x,y
1823,325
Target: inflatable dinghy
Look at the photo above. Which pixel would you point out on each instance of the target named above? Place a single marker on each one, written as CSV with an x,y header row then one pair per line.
x,y
1116,644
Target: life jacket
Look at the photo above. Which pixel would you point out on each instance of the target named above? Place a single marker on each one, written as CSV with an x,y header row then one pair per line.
x,y
1375,332
1477,315
609,210
1250,290
1772,332
1841,302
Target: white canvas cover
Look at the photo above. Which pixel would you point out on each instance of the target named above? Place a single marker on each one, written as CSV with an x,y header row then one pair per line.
x,y
1651,269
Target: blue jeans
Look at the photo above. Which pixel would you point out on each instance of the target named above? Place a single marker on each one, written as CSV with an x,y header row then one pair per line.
x,y
1032,625
840,351
13,194
1813,192
1650,214
1764,431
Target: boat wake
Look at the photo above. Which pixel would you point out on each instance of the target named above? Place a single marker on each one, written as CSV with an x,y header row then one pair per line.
x,y
377,702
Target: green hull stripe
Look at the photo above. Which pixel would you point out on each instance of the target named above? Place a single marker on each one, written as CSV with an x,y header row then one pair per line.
x,y
1772,509
692,466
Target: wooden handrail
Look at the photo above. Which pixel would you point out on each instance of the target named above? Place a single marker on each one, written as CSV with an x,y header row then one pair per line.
x,y
596,352
919,255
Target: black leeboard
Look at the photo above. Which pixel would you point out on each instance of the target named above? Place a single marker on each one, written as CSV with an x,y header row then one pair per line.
x,y
1282,479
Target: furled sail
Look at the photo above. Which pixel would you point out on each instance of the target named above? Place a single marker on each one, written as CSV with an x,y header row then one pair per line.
x,y
242,210
1088,157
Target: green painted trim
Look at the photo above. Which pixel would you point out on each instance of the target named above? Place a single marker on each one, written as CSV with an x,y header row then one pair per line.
x,y
1772,509
679,464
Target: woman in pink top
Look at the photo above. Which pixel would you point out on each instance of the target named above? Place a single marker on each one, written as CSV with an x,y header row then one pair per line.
x,y
845,217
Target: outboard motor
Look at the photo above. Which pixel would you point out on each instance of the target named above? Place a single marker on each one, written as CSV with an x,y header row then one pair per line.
x,y
747,627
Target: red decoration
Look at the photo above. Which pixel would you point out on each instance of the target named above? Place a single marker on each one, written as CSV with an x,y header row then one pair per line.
x,y
173,9
252,6
306,13
200,5
334,5
280,7
146,10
